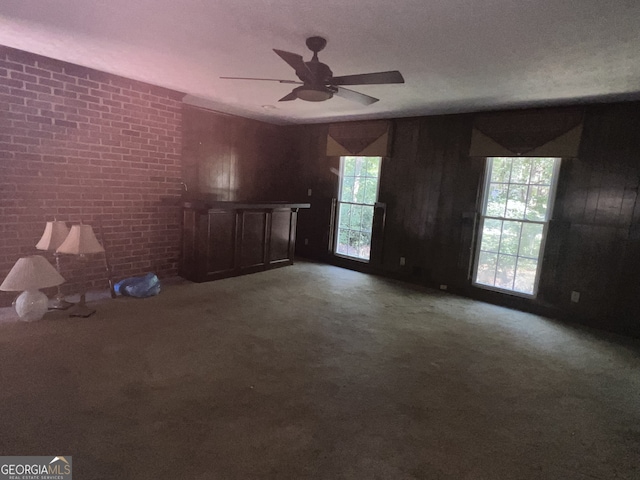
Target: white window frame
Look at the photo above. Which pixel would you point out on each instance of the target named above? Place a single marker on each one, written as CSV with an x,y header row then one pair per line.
x,y
545,227
336,228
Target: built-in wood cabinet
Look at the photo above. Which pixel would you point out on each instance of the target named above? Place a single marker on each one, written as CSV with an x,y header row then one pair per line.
x,y
225,239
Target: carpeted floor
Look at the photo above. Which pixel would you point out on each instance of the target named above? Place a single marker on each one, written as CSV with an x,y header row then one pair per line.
x,y
315,372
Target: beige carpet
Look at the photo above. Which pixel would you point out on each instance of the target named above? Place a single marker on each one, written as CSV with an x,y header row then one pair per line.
x,y
316,372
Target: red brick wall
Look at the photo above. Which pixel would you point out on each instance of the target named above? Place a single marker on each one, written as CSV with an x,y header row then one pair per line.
x,y
84,145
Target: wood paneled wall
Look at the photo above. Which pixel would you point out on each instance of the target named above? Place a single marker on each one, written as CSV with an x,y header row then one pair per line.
x,y
430,186
318,173
595,239
236,159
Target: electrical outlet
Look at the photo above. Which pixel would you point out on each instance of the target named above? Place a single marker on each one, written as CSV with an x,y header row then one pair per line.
x,y
306,241
308,192
575,297
443,287
403,261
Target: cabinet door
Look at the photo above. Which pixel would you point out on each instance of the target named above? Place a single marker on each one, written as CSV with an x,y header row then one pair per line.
x,y
253,240
221,247
281,238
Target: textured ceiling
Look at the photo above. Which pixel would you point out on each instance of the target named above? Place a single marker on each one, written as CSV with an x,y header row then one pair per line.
x,y
455,55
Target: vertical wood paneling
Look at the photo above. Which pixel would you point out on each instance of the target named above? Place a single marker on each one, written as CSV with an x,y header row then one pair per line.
x,y
320,174
594,252
459,185
405,211
237,159
428,183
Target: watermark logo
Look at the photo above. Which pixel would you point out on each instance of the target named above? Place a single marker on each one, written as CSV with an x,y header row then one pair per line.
x,y
36,468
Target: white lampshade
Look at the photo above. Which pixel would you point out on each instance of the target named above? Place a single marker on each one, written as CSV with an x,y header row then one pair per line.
x,y
31,273
54,234
80,241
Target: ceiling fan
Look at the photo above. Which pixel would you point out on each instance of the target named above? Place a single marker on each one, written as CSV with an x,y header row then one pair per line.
x,y
317,81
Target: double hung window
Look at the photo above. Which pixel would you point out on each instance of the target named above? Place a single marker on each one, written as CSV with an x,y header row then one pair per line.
x,y
359,179
516,209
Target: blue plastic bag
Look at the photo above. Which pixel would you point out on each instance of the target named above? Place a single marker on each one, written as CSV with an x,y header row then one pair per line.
x,y
141,287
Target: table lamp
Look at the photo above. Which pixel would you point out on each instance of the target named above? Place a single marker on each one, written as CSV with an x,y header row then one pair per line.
x,y
81,241
28,275
54,234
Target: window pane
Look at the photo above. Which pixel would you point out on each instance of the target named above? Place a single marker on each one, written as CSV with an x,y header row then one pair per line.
x,y
542,171
516,201
364,245
344,215
360,167
371,191
486,271
497,200
347,189
526,275
373,167
356,217
530,240
537,203
343,241
491,233
367,219
500,170
353,243
510,237
349,166
505,272
521,170
358,190
357,244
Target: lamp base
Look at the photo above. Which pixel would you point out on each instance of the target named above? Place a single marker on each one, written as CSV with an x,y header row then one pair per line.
x,y
31,305
80,309
59,303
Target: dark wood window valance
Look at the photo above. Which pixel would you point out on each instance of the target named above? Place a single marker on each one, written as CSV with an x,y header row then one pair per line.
x,y
359,138
530,133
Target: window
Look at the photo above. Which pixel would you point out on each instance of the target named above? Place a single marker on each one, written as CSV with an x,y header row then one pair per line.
x,y
516,208
359,179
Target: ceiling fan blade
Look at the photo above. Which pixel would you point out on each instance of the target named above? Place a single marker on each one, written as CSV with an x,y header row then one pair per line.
x,y
378,78
355,96
296,61
263,79
288,97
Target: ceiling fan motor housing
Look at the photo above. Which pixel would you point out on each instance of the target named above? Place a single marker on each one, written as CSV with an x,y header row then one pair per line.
x,y
320,73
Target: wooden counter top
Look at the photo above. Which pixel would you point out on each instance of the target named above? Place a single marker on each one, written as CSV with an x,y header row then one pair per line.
x,y
203,203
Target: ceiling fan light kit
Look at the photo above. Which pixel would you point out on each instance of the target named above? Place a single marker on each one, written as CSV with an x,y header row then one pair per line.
x,y
313,94
317,81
